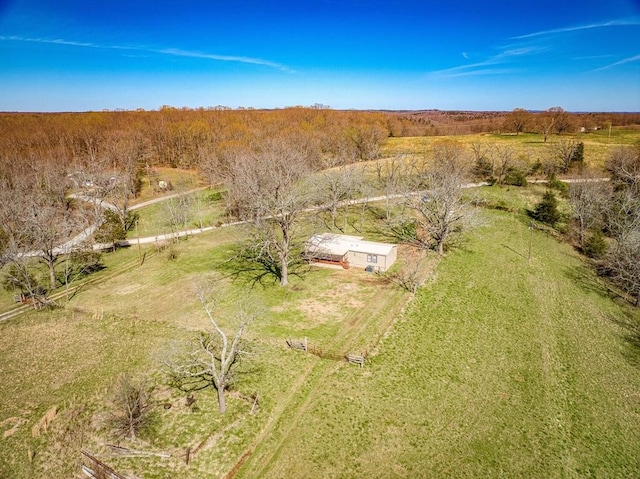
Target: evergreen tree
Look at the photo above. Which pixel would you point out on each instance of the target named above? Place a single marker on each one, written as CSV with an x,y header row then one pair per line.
x,y
547,209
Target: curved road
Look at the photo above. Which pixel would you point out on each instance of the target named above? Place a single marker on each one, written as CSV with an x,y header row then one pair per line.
x,y
190,232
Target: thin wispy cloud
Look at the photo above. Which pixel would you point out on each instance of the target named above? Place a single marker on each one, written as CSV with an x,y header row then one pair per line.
x,y
508,54
163,51
612,23
223,58
536,43
54,41
482,72
593,57
632,59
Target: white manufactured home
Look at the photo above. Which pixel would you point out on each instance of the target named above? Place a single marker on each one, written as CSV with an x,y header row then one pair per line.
x,y
350,252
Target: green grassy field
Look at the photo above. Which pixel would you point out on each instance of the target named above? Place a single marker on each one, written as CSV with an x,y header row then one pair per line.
x,y
499,368
69,358
206,208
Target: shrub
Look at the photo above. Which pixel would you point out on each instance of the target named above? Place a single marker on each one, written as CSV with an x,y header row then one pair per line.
x,y
578,154
215,196
559,186
595,246
172,253
483,168
86,261
515,177
536,167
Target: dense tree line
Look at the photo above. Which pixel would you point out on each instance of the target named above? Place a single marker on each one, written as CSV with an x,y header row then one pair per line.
x,y
556,120
179,137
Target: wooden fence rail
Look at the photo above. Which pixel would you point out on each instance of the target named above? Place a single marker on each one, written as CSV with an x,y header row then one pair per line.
x,y
97,469
356,359
310,348
298,345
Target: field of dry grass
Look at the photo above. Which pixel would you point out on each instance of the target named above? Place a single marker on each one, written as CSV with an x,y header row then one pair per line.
x,y
529,147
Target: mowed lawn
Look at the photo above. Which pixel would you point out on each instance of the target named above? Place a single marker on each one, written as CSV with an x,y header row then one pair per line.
x,y
500,367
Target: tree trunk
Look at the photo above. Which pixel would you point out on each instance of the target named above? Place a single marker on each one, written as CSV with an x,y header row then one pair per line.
x,y
284,272
221,400
52,274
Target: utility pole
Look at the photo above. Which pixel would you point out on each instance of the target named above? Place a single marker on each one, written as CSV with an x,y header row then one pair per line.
x,y
530,241
138,237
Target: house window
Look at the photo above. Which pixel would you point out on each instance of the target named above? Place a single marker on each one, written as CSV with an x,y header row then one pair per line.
x,y
372,258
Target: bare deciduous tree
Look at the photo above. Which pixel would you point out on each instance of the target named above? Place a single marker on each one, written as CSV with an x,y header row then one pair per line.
x,y
589,198
410,275
177,213
213,355
503,157
38,217
564,152
483,163
517,120
390,173
623,223
366,138
623,215
266,186
624,166
439,209
125,153
335,186
624,262
131,406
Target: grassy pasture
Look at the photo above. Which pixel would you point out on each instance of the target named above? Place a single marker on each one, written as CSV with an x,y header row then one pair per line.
x,y
207,209
180,180
499,368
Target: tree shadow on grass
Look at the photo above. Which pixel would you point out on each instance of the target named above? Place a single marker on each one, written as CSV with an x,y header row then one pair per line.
x,y
630,324
244,265
628,320
586,278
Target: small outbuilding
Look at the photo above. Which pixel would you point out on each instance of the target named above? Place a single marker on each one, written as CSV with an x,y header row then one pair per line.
x,y
350,252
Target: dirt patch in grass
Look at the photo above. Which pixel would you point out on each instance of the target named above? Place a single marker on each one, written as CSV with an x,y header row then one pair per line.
x,y
320,311
331,304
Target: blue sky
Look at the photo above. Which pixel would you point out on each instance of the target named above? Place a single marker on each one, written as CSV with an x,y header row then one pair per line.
x,y
78,55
